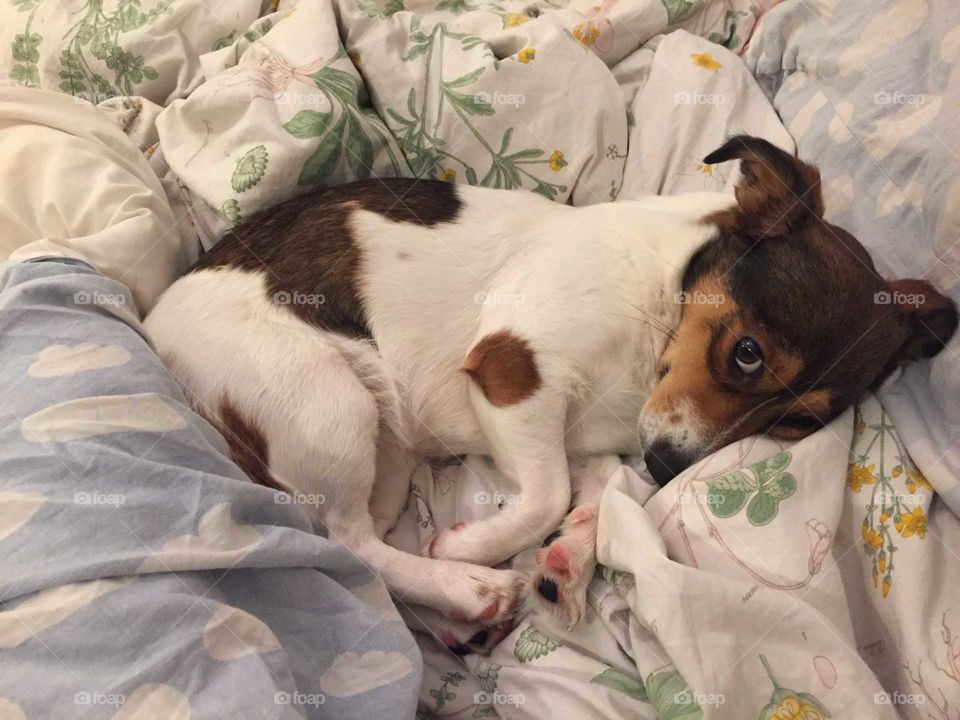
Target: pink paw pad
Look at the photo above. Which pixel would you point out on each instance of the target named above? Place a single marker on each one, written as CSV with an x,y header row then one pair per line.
x,y
432,549
489,611
556,557
581,514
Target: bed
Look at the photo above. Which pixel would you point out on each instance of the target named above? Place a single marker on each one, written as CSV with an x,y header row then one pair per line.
x,y
774,580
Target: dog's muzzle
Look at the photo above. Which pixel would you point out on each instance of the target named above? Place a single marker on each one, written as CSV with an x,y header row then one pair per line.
x,y
665,461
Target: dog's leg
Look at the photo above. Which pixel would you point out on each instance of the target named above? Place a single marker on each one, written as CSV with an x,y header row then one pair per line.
x,y
321,427
461,638
568,559
395,465
342,459
526,440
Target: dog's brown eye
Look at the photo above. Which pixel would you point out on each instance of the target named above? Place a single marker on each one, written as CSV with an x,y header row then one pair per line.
x,y
748,355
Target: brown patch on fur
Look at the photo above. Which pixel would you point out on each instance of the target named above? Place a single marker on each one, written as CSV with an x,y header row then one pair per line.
x,y
504,367
307,253
812,407
247,444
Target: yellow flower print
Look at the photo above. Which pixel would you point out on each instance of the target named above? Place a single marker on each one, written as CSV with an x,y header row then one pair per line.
x,y
884,516
514,19
705,169
897,471
795,709
882,562
859,476
916,479
705,61
913,523
872,538
527,55
587,34
875,575
885,587
448,175
557,162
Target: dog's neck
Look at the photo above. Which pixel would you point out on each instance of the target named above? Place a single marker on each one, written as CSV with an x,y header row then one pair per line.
x,y
673,229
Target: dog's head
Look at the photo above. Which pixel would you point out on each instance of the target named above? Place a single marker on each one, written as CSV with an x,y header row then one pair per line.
x,y
785,321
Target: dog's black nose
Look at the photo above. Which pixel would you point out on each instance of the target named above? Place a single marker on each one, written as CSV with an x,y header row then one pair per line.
x,y
664,461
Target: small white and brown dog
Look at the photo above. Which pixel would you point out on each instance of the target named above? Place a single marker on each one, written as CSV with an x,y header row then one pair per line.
x,y
341,337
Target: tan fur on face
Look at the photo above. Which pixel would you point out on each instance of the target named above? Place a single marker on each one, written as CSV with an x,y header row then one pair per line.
x,y
504,367
699,373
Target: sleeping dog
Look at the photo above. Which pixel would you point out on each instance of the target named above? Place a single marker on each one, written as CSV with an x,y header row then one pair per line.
x,y
339,338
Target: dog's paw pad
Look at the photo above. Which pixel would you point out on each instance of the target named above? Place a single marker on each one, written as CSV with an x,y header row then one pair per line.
x,y
566,567
548,590
580,514
465,638
557,557
498,602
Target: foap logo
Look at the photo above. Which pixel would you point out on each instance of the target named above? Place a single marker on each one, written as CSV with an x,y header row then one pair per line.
x,y
899,98
87,297
500,98
499,698
114,500
299,698
688,698
903,499
899,698
698,298
95,697
498,498
298,298
301,99
298,498
699,98
495,298
899,298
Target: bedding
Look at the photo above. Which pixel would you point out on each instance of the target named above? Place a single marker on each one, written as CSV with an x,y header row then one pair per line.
x,y
771,580
143,575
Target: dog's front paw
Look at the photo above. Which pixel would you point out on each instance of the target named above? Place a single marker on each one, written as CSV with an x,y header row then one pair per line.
x,y
496,596
443,543
565,566
464,638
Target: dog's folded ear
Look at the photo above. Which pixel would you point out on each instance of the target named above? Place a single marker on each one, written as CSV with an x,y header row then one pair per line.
x,y
932,317
776,192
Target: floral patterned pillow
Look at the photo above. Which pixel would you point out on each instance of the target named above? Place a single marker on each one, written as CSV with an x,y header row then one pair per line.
x,y
106,49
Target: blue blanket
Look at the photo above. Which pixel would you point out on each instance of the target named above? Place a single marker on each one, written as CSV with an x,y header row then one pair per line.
x,y
141,574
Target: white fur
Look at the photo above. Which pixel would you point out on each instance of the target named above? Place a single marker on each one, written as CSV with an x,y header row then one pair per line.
x,y
347,420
